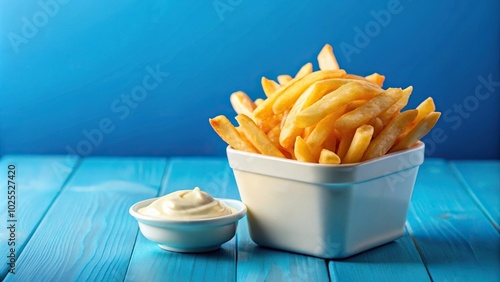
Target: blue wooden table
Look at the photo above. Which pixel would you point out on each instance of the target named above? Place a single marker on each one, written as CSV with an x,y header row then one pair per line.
x,y
72,224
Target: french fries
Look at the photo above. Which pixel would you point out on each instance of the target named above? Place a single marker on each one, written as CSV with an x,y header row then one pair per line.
x,y
384,141
241,103
301,151
328,157
369,110
258,138
269,86
334,100
326,116
359,144
326,59
421,129
230,135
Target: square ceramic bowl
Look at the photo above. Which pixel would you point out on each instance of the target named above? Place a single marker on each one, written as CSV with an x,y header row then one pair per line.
x,y
327,211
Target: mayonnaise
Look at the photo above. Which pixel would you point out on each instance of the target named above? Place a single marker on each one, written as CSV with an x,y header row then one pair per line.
x,y
186,204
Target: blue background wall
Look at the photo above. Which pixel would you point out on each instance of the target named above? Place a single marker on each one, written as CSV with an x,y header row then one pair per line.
x,y
67,68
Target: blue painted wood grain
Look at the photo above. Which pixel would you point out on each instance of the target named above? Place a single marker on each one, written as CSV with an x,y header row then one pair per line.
x,y
38,180
87,234
455,239
257,263
390,262
150,263
482,181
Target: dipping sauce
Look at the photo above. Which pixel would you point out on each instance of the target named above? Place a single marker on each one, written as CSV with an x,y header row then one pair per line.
x,y
186,204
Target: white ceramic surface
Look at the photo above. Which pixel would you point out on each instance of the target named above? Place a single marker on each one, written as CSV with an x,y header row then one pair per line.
x,y
189,236
328,211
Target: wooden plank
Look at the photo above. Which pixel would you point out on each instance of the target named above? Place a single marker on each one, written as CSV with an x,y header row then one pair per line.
x,y
454,238
257,263
38,180
150,263
482,181
87,234
396,261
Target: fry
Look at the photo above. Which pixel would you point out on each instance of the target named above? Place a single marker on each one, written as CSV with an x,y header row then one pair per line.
x,y
419,131
326,116
369,110
376,78
284,79
274,135
385,140
345,143
321,132
290,131
334,100
304,70
258,138
354,105
288,98
265,110
258,101
326,59
241,103
424,109
378,126
330,142
307,131
359,143
230,135
389,113
328,157
269,86
301,151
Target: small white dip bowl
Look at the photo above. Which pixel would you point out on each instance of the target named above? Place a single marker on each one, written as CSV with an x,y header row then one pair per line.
x,y
190,236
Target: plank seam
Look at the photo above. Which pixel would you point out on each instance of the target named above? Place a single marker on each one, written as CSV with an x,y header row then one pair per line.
x,y
470,192
419,251
37,224
328,270
165,176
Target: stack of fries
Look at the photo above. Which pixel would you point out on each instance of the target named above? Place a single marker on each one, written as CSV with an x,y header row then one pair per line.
x,y
326,116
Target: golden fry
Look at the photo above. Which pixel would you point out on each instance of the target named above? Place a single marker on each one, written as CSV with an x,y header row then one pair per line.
x,y
330,142
241,103
378,126
390,112
376,78
354,105
424,109
419,131
385,140
321,132
326,59
328,157
284,79
258,138
359,143
258,101
312,94
230,135
330,102
301,151
269,86
345,143
294,88
369,110
304,70
288,98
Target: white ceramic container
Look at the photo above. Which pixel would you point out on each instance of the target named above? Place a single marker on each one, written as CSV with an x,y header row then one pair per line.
x,y
327,211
